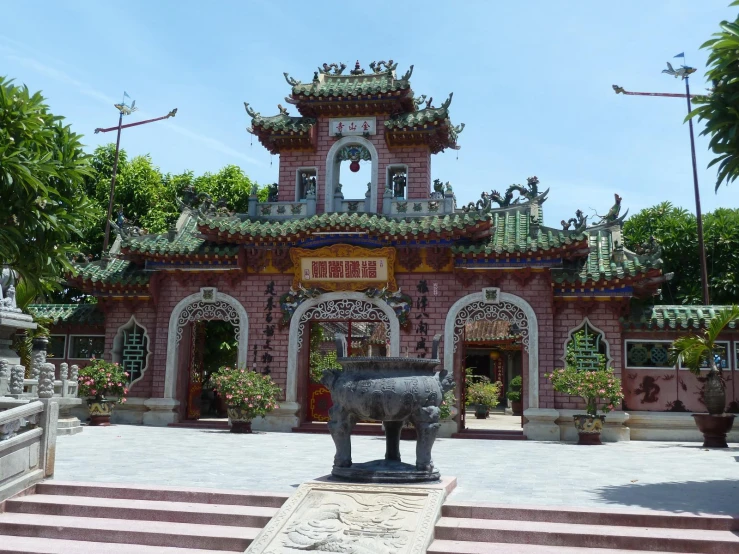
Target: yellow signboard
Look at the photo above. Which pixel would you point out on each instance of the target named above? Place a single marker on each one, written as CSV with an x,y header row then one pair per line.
x,y
344,267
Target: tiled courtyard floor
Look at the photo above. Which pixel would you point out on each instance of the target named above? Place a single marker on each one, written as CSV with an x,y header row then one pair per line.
x,y
630,475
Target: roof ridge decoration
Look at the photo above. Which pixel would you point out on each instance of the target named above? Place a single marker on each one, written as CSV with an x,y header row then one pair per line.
x,y
377,67
530,192
337,68
612,217
578,223
201,203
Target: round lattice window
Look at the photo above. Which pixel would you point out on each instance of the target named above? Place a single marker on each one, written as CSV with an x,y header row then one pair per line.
x,y
638,354
658,355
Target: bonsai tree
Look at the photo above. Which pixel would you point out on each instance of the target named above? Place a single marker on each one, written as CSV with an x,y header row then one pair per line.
x,y
697,351
600,388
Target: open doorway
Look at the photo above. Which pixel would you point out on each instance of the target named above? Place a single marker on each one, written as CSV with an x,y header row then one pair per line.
x,y
213,345
493,353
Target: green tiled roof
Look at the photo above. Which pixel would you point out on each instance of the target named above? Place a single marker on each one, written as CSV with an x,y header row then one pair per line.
x,y
512,233
68,313
187,241
602,264
115,271
283,123
351,85
417,118
667,317
373,223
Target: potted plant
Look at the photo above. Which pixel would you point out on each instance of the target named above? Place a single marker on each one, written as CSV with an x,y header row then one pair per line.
x,y
483,394
696,352
514,395
104,384
248,394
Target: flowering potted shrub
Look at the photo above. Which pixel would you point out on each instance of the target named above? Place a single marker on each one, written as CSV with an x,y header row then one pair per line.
x,y
104,384
481,393
600,389
248,394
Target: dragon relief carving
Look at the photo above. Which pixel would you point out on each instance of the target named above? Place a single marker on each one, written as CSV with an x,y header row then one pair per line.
x,y
529,191
650,247
578,223
337,68
377,67
612,215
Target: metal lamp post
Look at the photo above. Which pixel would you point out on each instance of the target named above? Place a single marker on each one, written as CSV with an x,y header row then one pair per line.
x,y
684,72
123,109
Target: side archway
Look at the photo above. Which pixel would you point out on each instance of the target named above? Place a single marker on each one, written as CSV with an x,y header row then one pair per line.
x,y
512,308
332,170
335,305
208,304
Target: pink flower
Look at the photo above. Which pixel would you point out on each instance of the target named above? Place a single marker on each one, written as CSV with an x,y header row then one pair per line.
x,y
116,364
251,405
93,391
125,391
259,397
120,384
126,373
229,396
123,400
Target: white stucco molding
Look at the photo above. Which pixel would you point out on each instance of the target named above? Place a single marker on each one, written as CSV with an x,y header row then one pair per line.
x,y
533,337
291,392
332,170
170,377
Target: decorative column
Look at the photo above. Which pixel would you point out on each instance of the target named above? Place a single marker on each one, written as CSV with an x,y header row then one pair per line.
x,y
46,380
38,355
68,424
253,201
387,199
310,201
338,197
63,372
17,374
368,199
4,377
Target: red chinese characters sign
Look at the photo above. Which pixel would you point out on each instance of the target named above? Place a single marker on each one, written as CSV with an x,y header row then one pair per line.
x,y
344,267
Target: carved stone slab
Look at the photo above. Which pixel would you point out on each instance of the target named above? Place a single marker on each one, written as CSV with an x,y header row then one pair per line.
x,y
361,519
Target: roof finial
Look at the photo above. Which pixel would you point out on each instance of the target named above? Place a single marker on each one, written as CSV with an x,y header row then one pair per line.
x,y
357,69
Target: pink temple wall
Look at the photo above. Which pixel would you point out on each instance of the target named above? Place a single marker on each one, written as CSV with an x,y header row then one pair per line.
x,y
657,390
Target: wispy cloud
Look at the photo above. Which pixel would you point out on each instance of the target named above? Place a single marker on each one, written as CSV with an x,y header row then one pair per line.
x,y
87,90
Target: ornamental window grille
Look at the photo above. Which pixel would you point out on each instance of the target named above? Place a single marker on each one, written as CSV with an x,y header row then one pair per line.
x,y
720,355
83,347
649,354
587,349
131,349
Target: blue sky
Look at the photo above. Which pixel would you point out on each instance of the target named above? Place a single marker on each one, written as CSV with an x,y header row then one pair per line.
x,y
531,81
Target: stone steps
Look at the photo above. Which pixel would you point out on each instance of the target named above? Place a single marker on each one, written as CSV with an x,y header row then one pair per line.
x,y
491,434
76,517
475,529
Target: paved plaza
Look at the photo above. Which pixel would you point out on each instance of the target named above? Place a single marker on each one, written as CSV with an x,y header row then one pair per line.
x,y
629,475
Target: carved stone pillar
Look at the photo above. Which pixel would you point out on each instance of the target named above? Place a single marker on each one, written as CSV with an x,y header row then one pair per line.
x,y
46,381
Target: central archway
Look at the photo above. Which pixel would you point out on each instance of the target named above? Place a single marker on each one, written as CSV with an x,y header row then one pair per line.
x,y
336,305
511,308
332,170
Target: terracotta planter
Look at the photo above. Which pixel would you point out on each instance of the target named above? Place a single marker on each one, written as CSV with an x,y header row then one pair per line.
x,y
100,410
517,407
239,421
714,428
589,428
481,411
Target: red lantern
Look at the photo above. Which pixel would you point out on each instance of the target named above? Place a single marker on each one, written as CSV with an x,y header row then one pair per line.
x,y
354,166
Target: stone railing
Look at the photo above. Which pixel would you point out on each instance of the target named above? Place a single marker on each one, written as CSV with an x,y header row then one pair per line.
x,y
17,391
27,444
417,207
282,210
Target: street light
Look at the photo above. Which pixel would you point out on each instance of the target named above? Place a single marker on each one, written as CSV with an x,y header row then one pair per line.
x,y
123,109
684,72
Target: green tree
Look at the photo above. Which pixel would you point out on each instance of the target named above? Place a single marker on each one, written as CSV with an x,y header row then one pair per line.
x,y
42,168
676,231
719,108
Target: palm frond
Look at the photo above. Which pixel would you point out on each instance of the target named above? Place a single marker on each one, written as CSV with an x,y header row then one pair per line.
x,y
690,352
719,322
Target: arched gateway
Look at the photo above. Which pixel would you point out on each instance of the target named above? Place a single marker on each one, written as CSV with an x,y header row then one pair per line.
x,y
208,304
507,307
336,305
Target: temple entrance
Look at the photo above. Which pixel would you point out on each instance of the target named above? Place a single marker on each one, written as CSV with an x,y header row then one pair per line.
x,y
492,354
500,331
359,338
212,345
